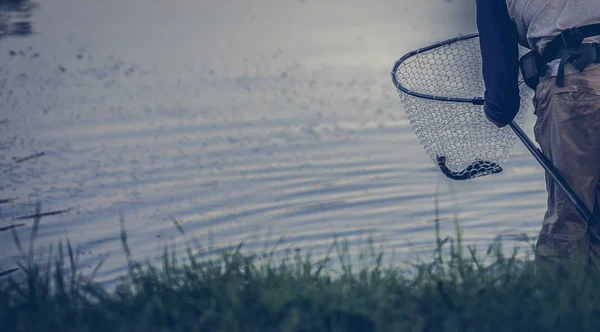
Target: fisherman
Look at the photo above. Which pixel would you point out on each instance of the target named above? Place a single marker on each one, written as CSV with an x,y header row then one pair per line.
x,y
564,70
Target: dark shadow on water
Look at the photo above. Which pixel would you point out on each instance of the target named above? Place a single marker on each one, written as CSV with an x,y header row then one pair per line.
x,y
15,18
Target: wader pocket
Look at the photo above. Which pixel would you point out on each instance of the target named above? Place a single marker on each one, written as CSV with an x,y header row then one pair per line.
x,y
533,67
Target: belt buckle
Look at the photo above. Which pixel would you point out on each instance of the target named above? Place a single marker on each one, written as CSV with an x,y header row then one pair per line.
x,y
572,37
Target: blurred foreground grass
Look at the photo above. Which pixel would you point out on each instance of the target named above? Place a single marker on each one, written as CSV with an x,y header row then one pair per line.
x,y
459,289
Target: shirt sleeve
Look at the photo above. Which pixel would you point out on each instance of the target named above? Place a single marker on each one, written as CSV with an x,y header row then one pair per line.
x,y
498,39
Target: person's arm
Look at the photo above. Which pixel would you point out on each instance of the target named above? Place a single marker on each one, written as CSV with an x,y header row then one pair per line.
x,y
498,40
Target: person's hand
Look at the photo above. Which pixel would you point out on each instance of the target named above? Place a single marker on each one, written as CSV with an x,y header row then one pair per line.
x,y
499,125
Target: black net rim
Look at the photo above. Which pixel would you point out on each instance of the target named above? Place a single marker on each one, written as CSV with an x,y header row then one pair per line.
x,y
479,166
399,62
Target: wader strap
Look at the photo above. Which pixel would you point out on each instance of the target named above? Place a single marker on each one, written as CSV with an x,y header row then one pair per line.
x,y
580,58
560,76
567,47
570,38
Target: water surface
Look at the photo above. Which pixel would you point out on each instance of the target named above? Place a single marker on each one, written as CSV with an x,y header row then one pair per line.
x,y
248,121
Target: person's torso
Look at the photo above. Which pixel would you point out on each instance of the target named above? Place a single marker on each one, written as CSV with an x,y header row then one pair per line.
x,y
539,21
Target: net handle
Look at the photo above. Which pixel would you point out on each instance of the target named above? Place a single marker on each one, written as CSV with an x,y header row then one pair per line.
x,y
474,101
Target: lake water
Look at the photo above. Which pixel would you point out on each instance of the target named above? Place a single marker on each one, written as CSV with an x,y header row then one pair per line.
x,y
248,121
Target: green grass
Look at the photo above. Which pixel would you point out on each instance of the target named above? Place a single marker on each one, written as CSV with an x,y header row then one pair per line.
x,y
457,290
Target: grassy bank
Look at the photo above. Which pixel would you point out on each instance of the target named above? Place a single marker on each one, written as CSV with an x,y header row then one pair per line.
x,y
457,290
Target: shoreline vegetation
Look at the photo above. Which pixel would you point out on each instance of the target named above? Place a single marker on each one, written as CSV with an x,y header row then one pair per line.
x,y
458,289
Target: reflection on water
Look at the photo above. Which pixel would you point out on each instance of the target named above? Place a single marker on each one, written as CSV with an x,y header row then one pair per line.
x,y
244,122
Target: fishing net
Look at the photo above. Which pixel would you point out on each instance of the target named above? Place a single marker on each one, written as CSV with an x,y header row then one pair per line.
x,y
441,89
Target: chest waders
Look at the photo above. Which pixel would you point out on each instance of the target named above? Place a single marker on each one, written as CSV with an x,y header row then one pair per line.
x,y
568,47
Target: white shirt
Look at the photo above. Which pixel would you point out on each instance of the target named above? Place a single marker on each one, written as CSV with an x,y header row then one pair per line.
x,y
538,21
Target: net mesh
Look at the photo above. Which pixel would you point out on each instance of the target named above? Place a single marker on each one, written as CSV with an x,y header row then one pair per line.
x,y
457,136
